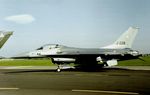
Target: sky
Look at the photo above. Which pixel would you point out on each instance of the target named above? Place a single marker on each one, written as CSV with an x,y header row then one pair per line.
x,y
75,23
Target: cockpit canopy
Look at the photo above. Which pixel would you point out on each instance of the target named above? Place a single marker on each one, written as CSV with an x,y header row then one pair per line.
x,y
49,46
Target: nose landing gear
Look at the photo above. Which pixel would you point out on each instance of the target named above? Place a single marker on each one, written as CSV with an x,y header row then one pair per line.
x,y
59,68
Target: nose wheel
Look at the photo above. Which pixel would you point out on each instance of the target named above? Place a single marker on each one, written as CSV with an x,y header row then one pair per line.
x,y
58,68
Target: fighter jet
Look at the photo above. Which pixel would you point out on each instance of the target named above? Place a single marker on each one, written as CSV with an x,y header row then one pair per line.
x,y
4,36
88,58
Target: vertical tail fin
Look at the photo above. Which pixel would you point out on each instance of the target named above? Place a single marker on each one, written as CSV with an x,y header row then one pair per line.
x,y
4,36
125,40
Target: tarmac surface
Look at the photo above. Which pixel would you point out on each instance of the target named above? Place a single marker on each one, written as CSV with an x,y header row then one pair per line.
x,y
44,81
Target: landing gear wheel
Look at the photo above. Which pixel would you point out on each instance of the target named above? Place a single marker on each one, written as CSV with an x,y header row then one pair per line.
x,y
105,64
58,68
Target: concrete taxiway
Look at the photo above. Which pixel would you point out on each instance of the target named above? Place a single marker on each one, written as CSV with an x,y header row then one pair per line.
x,y
71,67
42,81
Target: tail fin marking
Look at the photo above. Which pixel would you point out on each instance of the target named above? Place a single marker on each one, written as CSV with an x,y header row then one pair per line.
x,y
125,40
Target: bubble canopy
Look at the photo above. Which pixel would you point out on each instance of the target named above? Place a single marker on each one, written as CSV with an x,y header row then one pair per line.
x,y
49,46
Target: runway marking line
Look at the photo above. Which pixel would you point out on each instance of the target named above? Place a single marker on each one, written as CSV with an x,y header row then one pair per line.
x,y
17,67
8,88
110,92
